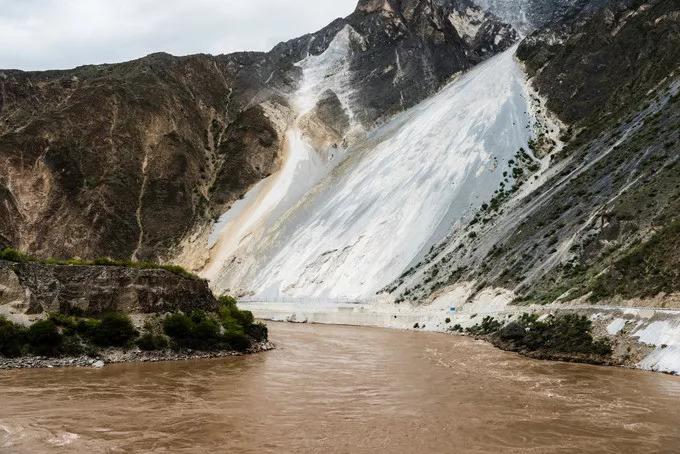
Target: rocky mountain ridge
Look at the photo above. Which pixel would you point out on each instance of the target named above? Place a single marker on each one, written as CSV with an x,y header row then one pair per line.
x,y
136,160
603,223
191,158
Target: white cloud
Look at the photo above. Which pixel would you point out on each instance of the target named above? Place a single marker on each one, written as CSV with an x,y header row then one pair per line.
x,y
55,34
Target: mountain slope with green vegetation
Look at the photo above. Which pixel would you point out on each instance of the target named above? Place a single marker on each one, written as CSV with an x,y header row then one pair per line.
x,y
603,220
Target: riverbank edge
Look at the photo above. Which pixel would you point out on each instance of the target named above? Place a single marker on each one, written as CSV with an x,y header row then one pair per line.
x,y
119,356
546,355
644,338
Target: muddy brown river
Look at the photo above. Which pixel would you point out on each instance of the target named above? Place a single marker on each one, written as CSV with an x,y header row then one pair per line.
x,y
333,389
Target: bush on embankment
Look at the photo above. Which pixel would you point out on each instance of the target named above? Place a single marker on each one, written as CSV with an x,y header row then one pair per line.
x,y
228,328
63,335
556,336
67,335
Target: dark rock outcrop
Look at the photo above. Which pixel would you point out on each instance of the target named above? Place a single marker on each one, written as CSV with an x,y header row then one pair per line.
x,y
603,60
120,160
408,49
31,288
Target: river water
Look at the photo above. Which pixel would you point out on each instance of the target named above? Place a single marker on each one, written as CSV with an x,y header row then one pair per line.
x,y
335,389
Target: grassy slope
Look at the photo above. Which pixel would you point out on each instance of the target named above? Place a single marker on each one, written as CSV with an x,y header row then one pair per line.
x,y
12,255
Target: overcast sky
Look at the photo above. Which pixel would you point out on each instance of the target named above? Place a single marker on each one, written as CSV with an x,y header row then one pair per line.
x,y
59,34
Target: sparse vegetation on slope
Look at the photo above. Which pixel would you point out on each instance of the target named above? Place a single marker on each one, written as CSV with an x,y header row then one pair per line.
x,y
600,222
12,255
647,270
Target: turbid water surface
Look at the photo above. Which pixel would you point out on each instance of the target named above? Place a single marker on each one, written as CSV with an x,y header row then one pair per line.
x,y
335,389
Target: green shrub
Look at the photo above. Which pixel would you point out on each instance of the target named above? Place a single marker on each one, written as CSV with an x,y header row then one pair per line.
x,y
70,335
87,327
226,300
12,338
74,345
44,338
105,261
206,334
114,330
12,255
68,324
203,331
566,333
198,331
238,342
152,342
512,331
258,331
245,318
489,325
178,326
456,328
229,323
233,319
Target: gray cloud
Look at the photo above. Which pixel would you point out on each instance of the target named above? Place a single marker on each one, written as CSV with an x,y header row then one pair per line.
x,y
57,34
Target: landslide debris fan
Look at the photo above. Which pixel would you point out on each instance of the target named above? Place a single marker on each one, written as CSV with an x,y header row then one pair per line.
x,y
394,196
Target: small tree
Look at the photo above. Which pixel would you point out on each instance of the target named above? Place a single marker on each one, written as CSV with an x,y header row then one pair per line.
x,y
114,330
44,338
12,338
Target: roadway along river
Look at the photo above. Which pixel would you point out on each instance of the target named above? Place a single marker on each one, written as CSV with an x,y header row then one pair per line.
x,y
334,389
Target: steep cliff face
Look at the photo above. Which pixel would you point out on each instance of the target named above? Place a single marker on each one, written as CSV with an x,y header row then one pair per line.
x,y
410,48
622,98
28,289
598,61
136,160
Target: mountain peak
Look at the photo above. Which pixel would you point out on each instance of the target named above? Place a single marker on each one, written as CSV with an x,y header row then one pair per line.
x,y
372,6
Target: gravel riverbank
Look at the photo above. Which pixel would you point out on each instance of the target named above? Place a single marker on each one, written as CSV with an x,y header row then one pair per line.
x,y
114,356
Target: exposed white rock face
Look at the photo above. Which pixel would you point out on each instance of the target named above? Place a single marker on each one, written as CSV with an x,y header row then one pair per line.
x,y
330,72
616,326
526,15
467,24
395,195
370,6
304,163
511,11
665,337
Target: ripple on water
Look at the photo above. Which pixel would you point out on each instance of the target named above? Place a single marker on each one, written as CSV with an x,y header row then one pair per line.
x,y
343,389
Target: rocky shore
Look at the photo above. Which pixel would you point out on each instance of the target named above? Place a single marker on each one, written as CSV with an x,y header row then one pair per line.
x,y
116,356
